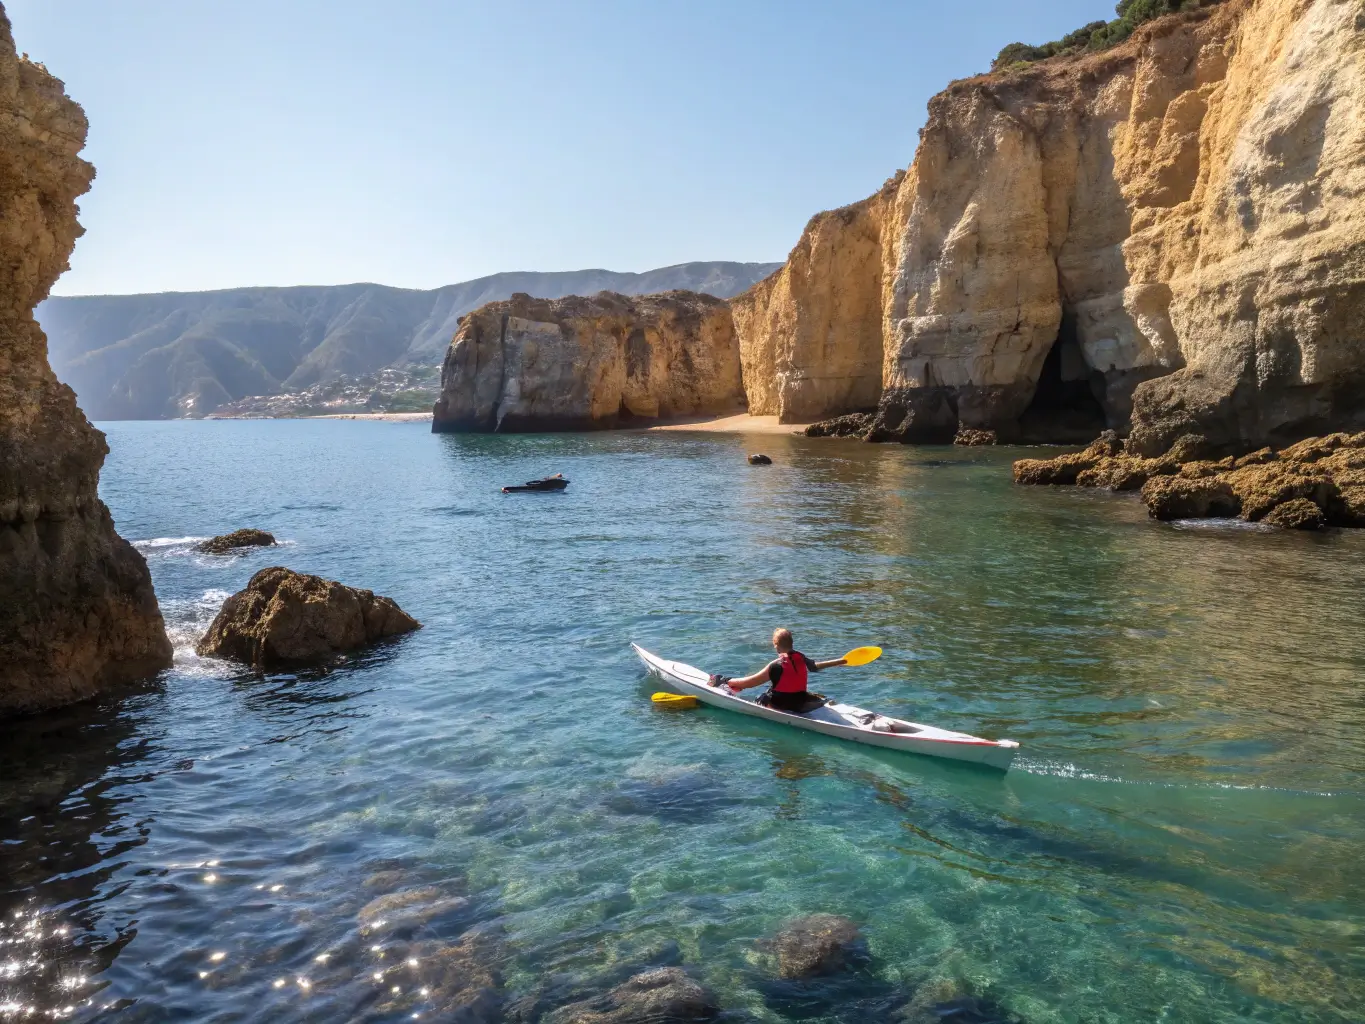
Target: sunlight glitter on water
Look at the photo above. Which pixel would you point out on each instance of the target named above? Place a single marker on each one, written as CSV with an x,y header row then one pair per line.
x,y
40,974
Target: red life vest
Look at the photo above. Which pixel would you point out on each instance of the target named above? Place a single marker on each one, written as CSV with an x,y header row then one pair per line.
x,y
793,677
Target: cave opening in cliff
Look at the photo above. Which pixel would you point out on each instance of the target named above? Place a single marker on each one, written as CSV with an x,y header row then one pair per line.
x,y
1064,409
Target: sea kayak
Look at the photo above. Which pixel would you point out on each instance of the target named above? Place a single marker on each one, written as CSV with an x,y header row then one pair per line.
x,y
840,720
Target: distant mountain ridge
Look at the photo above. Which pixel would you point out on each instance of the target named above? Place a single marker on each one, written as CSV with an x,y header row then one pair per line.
x,y
177,354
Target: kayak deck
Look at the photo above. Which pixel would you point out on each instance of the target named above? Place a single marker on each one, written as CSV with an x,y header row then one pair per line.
x,y
841,720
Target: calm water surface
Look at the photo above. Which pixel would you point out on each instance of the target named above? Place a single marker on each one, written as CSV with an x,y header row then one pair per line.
x,y
492,805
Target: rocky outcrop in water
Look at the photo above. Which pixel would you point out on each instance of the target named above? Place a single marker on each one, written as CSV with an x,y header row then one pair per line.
x,y
1167,236
587,363
1317,482
235,540
77,610
285,619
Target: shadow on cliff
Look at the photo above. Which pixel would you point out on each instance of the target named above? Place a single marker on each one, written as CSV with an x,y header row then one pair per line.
x,y
1065,408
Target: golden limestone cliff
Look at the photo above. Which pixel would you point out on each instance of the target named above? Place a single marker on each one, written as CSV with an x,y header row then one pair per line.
x,y
586,363
77,611
812,332
1167,237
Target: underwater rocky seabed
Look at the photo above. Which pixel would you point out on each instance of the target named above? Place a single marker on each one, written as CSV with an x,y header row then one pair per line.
x,y
495,798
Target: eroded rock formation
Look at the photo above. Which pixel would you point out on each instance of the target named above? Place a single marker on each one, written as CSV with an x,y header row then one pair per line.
x,y
585,363
285,618
1320,481
1168,236
77,610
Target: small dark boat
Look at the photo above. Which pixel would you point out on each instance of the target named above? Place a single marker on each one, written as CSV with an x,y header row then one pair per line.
x,y
549,483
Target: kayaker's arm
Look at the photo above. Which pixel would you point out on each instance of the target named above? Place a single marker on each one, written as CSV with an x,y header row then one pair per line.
x,y
757,679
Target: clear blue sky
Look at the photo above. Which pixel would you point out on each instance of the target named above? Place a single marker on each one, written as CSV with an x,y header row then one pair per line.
x,y
420,142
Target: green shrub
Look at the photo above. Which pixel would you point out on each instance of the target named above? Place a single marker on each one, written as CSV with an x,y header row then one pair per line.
x,y
1098,35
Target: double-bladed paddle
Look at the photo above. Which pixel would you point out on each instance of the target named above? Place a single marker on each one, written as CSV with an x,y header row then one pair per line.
x,y
856,657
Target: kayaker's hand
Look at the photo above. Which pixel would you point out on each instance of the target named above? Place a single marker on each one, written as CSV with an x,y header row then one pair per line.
x,y
718,681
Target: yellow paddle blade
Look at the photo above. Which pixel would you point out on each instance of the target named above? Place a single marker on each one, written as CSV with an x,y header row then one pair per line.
x,y
862,655
674,700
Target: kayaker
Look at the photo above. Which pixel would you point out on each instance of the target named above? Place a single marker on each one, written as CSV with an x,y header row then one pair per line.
x,y
787,676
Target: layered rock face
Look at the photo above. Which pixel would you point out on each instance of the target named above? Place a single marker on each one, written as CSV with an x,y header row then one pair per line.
x,y
584,363
1166,236
813,331
77,610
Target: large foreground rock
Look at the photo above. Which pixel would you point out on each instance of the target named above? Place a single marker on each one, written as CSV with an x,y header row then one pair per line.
x,y
285,618
1167,235
77,610
588,363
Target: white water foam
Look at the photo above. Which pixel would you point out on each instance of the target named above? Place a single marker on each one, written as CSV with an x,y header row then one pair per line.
x,y
186,622
166,542
1066,770
188,547
1220,524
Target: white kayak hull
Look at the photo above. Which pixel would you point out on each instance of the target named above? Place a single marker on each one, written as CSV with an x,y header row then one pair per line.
x,y
840,720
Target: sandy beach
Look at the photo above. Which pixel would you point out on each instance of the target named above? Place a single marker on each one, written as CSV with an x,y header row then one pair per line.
x,y
385,417
740,423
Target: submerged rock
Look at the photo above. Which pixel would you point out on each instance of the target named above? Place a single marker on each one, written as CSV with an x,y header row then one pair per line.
x,y
959,1010
285,618
409,908
459,983
77,609
815,945
760,460
221,545
688,796
665,995
1318,482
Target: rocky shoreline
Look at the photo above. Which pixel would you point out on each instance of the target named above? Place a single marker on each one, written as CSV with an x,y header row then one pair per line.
x,y
1315,483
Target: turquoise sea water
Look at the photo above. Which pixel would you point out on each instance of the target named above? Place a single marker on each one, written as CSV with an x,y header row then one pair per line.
x,y
1180,839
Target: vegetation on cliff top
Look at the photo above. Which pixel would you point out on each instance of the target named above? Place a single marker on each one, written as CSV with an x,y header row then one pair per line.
x,y
1098,35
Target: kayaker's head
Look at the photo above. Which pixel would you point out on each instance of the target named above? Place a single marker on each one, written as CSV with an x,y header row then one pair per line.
x,y
782,640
